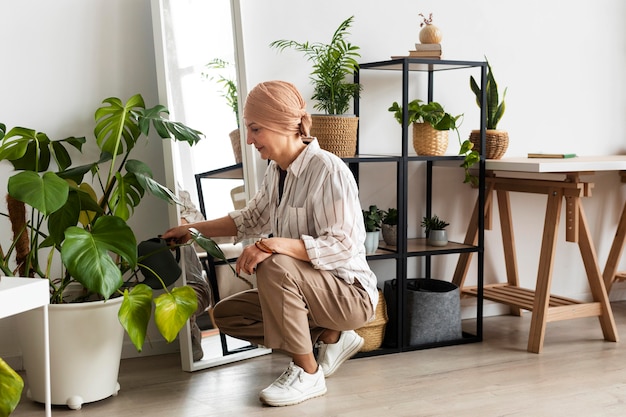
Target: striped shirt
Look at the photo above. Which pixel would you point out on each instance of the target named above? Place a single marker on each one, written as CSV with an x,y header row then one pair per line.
x,y
320,205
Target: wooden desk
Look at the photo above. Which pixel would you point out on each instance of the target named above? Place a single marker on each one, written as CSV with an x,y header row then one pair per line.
x,y
18,295
527,178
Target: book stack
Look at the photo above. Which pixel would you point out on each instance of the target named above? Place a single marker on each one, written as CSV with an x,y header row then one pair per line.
x,y
424,50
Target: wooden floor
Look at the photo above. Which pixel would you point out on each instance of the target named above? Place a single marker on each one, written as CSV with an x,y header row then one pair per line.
x,y
577,374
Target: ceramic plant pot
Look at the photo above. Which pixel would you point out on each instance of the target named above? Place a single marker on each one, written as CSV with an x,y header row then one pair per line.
x,y
85,351
438,238
371,242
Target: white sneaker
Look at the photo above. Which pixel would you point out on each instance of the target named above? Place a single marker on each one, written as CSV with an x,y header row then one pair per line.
x,y
294,386
331,355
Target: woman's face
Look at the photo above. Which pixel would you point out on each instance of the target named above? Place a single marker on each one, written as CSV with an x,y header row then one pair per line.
x,y
269,143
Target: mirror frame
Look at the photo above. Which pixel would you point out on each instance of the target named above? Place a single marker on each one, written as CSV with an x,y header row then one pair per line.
x,y
172,163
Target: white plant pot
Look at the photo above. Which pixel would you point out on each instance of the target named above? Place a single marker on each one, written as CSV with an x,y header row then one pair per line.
x,y
371,242
438,238
85,351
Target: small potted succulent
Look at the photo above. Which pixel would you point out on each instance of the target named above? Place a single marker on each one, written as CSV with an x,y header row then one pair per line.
x,y
435,230
390,226
372,218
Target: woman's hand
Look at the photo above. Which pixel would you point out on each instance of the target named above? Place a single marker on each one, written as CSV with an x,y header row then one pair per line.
x,y
250,257
178,234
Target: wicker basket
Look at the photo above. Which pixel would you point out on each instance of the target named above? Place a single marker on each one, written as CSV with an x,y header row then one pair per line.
x,y
235,141
428,140
336,133
496,142
374,331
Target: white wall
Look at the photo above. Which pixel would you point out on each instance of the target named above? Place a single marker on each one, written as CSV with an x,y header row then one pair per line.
x,y
564,66
59,61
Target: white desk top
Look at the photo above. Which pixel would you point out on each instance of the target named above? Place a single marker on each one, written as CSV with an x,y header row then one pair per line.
x,y
22,294
576,164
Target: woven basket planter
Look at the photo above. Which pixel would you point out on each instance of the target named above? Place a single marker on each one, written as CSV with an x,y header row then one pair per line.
x,y
496,142
374,331
235,141
429,141
336,133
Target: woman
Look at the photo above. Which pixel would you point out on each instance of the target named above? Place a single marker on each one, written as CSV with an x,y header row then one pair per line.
x,y
313,281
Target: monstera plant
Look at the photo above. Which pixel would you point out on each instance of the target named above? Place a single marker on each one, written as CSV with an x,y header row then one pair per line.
x,y
69,221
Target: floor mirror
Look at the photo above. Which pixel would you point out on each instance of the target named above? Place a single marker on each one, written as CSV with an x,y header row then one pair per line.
x,y
193,39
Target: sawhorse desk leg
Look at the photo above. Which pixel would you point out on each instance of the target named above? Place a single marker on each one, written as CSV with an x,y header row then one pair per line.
x,y
610,270
544,306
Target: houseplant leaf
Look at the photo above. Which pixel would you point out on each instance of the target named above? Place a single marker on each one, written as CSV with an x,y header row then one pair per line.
x,y
116,122
11,386
173,309
166,128
143,174
85,254
135,312
46,193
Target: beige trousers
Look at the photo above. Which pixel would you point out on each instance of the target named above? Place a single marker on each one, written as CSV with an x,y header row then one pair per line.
x,y
292,305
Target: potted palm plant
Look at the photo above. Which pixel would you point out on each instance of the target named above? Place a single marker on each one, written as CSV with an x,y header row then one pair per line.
x,y
332,63
431,124
372,217
496,141
75,235
229,92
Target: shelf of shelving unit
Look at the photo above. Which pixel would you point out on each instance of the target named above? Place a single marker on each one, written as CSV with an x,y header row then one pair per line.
x,y
418,247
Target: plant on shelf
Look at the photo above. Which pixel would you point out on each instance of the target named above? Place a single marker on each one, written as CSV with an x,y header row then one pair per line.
x,y
69,221
390,226
497,141
428,119
217,71
433,223
435,230
372,218
333,93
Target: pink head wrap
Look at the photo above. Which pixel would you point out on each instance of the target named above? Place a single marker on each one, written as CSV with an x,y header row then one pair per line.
x,y
278,106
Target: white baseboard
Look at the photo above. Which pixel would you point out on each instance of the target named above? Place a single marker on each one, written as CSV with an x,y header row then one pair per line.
x,y
150,348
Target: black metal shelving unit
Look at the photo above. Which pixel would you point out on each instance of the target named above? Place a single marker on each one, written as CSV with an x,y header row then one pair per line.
x,y
408,248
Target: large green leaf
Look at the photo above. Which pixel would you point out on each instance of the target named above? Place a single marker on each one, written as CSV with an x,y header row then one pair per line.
x,y
116,121
135,312
47,193
143,174
126,195
166,128
30,150
173,309
86,254
78,201
11,386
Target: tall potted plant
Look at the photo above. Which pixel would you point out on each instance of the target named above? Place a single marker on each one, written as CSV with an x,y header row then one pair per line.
x,y
229,92
73,232
332,63
496,141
